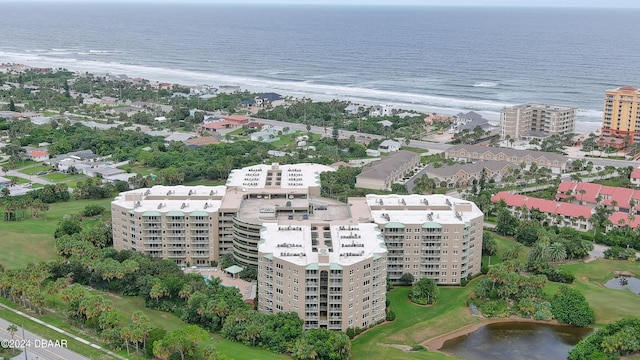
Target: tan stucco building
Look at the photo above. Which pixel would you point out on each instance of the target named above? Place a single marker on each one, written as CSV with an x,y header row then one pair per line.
x,y
536,121
333,276
621,115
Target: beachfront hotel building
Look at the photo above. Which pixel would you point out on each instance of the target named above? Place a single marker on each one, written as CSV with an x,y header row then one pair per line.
x,y
536,121
333,276
621,116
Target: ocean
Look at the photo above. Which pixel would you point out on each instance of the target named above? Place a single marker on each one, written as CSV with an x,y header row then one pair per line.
x,y
432,59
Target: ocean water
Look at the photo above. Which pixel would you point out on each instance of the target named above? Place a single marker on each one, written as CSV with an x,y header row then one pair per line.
x,y
435,59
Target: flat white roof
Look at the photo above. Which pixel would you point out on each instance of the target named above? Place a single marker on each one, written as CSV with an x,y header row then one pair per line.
x,y
163,199
293,176
419,209
350,244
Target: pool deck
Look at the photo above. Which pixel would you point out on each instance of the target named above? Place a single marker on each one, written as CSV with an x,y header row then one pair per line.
x,y
247,289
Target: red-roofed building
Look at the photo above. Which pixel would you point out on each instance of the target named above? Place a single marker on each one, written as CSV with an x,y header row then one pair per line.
x,y
635,177
229,122
237,119
557,213
622,219
37,155
616,198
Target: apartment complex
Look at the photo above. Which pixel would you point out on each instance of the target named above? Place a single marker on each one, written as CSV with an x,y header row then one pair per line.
x,y
326,260
433,236
182,223
194,225
536,121
621,117
333,276
383,173
555,162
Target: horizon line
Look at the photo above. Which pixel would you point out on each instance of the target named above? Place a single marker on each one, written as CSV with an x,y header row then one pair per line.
x,y
322,4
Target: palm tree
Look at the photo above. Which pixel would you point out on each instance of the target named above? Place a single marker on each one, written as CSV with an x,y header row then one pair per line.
x,y
556,252
12,329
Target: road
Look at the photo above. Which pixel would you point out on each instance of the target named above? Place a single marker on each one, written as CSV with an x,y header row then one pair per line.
x,y
31,178
39,352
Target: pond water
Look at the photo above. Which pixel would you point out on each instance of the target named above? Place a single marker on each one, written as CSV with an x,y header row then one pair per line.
x,y
624,283
515,341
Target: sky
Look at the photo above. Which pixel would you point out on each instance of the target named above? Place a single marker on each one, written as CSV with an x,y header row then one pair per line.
x,y
533,3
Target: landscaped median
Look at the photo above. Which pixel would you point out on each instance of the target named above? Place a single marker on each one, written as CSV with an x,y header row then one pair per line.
x,y
79,346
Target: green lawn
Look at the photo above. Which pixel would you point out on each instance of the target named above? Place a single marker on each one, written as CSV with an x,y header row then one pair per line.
x,y
59,177
415,324
32,170
19,164
504,243
31,240
609,304
18,180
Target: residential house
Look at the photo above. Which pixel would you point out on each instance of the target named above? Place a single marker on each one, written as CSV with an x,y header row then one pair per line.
x,y
469,121
352,109
390,169
389,146
372,152
556,162
38,155
269,99
381,110
199,142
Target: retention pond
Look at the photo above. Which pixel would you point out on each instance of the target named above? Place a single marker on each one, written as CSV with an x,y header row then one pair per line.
x,y
515,341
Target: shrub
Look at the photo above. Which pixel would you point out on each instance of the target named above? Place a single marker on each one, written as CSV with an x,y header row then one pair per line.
x,y
560,276
543,311
390,315
424,291
495,308
92,210
570,307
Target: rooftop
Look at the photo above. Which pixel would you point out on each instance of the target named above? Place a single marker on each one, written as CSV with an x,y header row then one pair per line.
x,y
347,245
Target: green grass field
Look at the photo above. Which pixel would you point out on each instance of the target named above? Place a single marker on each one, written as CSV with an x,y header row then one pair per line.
x,y
609,304
59,177
31,240
415,324
32,170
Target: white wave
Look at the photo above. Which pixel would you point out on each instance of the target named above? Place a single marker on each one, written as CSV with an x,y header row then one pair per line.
x,y
104,52
36,50
485,84
587,113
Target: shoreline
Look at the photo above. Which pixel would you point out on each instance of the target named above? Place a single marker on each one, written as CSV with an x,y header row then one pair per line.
x,y
436,343
424,103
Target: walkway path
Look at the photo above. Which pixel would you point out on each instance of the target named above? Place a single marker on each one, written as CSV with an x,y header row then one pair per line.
x,y
46,353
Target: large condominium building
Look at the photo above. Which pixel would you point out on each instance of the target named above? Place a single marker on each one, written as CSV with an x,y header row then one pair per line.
x,y
195,225
536,121
621,115
182,223
434,236
333,276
